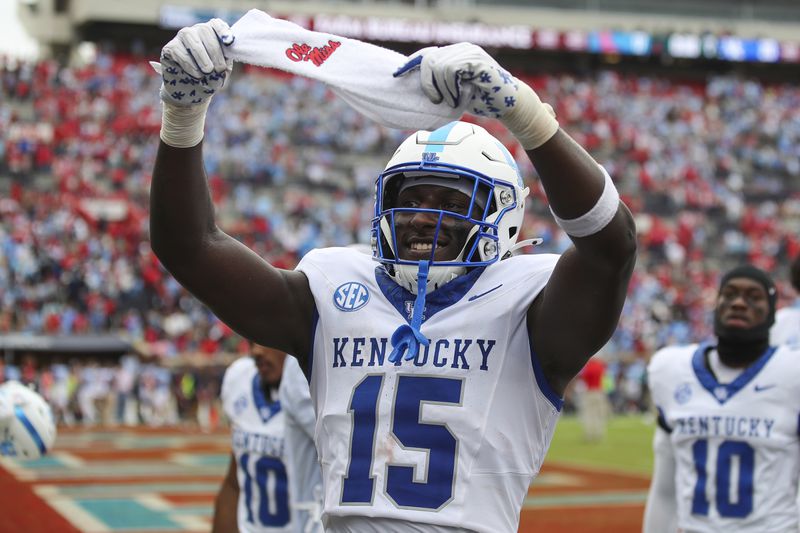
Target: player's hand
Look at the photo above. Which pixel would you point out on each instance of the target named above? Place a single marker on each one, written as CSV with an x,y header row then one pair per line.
x,y
193,64
465,71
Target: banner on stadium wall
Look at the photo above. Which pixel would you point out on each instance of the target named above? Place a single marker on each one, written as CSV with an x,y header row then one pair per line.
x,y
520,37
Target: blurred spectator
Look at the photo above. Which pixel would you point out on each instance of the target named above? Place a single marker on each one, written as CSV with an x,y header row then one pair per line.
x,y
593,405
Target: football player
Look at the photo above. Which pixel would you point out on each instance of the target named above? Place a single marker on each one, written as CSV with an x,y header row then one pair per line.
x,y
437,375
254,496
727,453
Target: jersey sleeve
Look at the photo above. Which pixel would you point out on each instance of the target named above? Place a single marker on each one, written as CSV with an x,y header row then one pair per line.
x,y
295,397
229,379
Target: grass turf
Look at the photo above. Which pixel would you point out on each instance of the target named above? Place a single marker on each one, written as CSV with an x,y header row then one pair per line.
x,y
627,445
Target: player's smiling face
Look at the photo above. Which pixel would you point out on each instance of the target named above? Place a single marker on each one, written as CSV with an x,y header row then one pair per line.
x,y
415,231
742,303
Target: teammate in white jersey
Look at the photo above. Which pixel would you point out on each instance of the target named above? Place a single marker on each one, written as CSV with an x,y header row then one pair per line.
x,y
436,374
727,455
786,329
254,496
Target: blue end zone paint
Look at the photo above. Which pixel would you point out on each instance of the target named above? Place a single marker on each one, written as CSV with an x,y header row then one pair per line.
x,y
216,459
196,510
46,462
123,515
82,492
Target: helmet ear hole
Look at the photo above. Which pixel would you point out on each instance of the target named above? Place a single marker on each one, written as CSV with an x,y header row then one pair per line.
x,y
512,232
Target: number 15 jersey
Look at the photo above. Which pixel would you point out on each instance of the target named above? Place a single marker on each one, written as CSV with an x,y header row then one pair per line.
x,y
451,438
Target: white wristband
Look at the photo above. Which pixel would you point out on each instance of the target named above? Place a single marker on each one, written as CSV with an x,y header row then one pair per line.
x,y
532,122
182,126
597,217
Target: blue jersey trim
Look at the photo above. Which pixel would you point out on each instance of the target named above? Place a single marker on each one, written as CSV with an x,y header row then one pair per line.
x,y
551,395
37,439
662,421
724,392
435,301
265,408
310,363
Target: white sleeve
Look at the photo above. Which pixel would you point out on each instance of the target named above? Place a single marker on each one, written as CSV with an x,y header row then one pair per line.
x,y
295,397
660,513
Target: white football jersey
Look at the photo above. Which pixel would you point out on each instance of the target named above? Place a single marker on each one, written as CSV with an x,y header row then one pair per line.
x,y
451,438
786,329
257,425
305,476
735,445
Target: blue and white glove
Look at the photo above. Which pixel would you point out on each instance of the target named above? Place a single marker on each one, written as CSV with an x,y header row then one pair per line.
x,y
193,68
193,64
456,73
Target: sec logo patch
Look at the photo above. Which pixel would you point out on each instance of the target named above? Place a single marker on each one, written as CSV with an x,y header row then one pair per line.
x,y
350,296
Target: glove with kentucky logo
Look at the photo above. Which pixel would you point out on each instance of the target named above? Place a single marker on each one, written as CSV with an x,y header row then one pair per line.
x,y
193,68
461,71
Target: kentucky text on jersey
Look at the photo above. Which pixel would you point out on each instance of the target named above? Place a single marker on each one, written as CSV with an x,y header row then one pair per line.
x,y
462,354
725,426
257,443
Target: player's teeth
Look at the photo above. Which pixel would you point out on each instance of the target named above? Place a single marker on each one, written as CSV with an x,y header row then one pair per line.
x,y
421,246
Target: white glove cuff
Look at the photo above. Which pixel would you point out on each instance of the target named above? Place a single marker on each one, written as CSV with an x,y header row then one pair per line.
x,y
597,217
532,122
182,126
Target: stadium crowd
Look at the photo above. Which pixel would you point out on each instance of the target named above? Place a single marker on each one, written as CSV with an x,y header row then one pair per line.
x,y
710,169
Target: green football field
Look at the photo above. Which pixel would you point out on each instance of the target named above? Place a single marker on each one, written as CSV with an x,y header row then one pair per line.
x,y
626,447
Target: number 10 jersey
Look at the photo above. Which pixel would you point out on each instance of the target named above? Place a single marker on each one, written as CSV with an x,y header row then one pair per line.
x,y
451,438
735,444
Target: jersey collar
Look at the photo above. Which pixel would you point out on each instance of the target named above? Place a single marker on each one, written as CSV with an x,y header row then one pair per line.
x,y
435,301
724,392
265,408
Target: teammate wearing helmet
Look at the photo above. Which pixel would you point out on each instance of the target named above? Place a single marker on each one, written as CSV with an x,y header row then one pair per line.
x,y
437,375
27,428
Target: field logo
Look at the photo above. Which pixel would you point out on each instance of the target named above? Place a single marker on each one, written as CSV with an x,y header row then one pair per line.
x,y
317,55
350,296
683,393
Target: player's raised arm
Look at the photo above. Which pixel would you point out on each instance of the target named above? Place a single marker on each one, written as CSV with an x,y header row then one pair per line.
x,y
580,307
578,310
270,306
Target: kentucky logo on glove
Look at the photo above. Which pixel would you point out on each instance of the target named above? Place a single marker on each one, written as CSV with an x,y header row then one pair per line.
x,y
464,70
193,65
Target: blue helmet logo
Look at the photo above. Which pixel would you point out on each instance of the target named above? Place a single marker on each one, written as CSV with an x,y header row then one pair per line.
x,y
350,296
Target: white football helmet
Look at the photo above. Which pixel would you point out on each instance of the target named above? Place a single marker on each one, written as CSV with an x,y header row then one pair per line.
x,y
27,427
465,157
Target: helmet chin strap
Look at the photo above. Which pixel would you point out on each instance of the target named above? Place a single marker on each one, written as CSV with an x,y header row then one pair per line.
x,y
406,276
407,338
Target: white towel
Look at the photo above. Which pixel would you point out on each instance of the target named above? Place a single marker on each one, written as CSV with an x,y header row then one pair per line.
x,y
359,72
